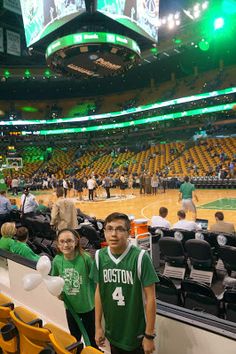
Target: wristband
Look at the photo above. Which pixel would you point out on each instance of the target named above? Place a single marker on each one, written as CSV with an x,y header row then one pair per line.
x,y
150,336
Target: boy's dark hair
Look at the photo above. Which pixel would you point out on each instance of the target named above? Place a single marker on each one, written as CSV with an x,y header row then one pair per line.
x,y
163,212
219,215
118,216
22,234
186,178
59,192
181,214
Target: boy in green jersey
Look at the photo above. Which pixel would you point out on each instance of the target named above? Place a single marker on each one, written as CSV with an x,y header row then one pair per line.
x,y
125,292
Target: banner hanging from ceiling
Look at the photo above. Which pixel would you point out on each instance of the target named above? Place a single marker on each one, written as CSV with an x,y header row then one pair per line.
x,y
13,43
12,5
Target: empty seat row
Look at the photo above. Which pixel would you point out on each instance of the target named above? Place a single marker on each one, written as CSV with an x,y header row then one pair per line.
x,y
200,255
21,331
198,297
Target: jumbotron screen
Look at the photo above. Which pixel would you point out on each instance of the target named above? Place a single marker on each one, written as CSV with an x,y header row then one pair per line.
x,y
139,15
41,17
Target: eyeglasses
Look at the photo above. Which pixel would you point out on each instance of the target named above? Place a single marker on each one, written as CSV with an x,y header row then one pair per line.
x,y
63,242
118,229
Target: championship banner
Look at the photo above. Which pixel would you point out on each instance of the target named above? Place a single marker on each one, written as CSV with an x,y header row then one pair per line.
x,y
1,41
13,43
12,5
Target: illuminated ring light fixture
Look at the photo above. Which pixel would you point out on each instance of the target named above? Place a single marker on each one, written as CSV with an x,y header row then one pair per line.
x,y
92,54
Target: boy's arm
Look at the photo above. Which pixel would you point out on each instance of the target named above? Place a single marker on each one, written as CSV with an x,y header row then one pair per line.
x,y
150,308
99,332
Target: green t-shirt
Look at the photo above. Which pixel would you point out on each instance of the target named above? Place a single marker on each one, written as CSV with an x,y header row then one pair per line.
x,y
79,288
24,250
121,281
6,242
187,189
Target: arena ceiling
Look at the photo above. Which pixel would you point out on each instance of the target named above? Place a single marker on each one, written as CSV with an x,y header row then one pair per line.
x,y
178,51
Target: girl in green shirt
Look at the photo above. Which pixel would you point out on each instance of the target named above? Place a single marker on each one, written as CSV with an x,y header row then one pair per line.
x,y
73,265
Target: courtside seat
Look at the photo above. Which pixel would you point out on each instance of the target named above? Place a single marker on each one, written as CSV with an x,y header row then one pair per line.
x,y
207,236
229,304
203,264
167,291
228,256
199,297
224,239
174,256
183,235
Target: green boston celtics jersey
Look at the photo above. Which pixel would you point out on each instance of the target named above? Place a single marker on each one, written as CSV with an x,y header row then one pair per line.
x,y
121,281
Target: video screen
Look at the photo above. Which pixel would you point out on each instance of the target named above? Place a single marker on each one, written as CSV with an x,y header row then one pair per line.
x,y
42,17
139,15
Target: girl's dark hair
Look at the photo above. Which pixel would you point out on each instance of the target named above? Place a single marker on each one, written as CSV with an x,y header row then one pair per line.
x,y
78,247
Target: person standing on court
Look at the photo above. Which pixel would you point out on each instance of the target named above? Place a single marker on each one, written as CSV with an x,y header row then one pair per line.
x,y
186,195
125,292
63,213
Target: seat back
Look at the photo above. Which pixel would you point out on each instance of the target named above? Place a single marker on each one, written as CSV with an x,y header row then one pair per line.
x,y
172,250
91,234
33,338
199,297
228,256
62,342
6,306
166,290
229,301
199,253
183,235
9,344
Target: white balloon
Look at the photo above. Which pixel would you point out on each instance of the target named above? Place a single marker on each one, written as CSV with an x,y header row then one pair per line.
x,y
31,281
43,266
54,284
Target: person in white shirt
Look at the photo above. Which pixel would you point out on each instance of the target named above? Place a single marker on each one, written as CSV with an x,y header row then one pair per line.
x,y
91,184
28,203
159,220
185,224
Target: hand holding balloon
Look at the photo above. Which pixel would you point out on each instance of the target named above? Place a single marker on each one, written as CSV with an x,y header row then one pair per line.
x,y
53,284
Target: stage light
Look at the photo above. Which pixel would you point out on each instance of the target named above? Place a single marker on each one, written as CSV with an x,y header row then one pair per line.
x,y
47,74
219,23
7,74
205,5
27,74
171,24
177,16
204,45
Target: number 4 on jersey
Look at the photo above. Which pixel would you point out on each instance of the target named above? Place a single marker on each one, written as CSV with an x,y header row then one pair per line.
x,y
118,296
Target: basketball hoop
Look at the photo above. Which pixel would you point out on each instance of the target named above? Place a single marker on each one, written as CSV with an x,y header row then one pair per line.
x,y
16,168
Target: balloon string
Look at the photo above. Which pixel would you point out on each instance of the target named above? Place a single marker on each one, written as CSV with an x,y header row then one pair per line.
x,y
78,321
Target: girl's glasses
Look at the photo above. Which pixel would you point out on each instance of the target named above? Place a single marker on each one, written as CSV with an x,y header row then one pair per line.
x,y
68,242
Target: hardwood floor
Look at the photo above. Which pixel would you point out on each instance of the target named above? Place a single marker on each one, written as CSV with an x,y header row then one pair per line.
x,y
145,206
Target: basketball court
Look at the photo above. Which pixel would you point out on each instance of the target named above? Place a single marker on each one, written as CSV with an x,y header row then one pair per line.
x,y
145,206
